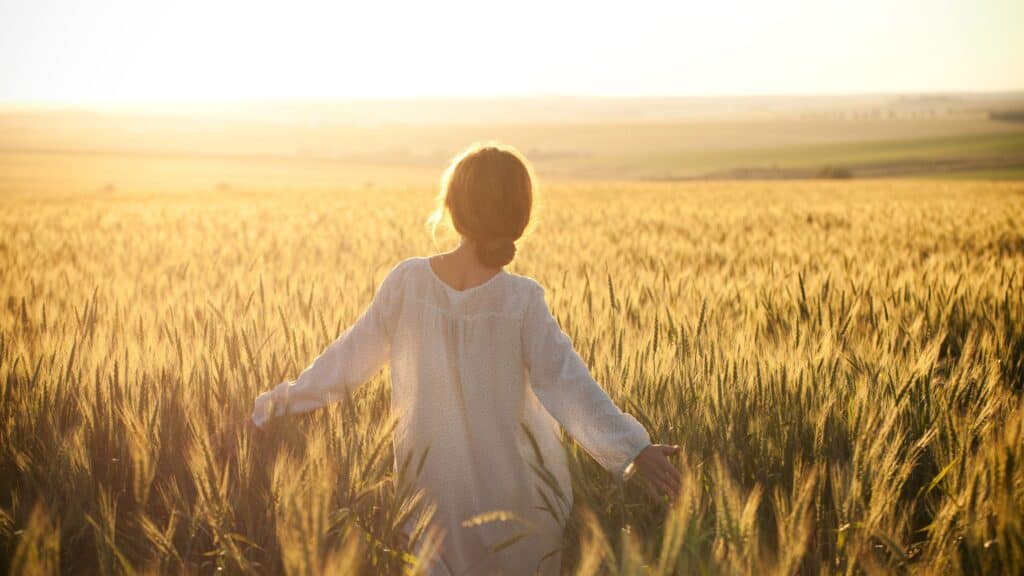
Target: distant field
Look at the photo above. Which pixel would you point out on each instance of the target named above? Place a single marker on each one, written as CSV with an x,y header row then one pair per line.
x,y
112,174
982,156
131,149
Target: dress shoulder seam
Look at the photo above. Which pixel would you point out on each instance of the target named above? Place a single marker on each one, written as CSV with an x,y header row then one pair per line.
x,y
478,315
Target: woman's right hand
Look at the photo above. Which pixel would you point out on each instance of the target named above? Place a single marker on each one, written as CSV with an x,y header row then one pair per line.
x,y
252,428
660,477
229,437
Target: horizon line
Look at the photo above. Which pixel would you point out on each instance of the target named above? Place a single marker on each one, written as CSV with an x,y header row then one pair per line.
x,y
526,96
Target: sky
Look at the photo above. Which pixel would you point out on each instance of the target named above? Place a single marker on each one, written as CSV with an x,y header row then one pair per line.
x,y
141,51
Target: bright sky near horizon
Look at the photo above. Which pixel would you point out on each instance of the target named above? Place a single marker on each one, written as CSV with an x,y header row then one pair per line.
x,y
139,50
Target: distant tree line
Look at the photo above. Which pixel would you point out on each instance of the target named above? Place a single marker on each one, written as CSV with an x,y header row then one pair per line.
x,y
834,173
1007,115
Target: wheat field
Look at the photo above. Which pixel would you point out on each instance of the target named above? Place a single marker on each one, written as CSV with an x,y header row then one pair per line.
x,y
842,364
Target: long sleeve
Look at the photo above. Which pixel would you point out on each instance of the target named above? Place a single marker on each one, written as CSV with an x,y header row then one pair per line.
x,y
349,361
563,384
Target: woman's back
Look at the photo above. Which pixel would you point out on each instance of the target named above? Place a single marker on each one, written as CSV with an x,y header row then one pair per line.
x,y
459,390
483,378
475,372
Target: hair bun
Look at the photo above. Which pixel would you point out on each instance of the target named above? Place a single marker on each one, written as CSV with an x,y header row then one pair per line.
x,y
496,252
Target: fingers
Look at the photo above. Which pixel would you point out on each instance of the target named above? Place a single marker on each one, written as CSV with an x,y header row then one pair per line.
x,y
658,484
252,428
664,489
672,484
659,473
664,469
650,489
672,474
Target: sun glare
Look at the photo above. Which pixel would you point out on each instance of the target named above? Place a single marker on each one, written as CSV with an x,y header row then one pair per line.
x,y
119,50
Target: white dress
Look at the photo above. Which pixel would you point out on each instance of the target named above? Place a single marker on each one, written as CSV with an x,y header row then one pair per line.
x,y
470,369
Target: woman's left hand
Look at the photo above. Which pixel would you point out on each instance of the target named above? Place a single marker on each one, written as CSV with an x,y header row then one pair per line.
x,y
659,475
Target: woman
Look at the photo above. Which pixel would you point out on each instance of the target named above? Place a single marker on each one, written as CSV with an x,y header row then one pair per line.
x,y
482,379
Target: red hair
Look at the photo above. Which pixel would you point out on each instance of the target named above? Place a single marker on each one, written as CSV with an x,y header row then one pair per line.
x,y
487,191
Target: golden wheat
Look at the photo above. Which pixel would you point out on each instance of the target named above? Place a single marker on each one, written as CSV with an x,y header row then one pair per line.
x,y
843,364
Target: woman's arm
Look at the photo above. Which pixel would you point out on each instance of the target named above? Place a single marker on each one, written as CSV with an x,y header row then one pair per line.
x,y
563,384
352,359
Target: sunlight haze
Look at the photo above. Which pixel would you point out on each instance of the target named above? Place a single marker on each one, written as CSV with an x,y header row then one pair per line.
x,y
124,51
